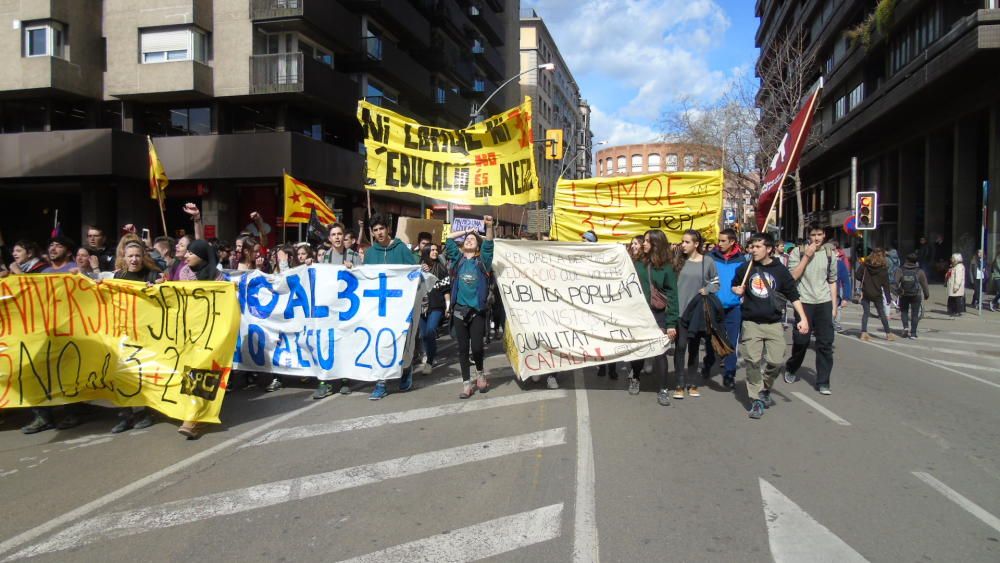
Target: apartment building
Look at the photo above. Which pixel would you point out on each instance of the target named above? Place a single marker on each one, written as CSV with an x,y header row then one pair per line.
x,y
557,105
913,94
233,93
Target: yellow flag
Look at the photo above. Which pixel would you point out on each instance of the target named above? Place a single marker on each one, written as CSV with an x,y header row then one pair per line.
x,y
300,201
157,177
621,207
490,163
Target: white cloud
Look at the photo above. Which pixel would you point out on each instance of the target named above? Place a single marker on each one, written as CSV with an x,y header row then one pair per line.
x,y
619,131
649,53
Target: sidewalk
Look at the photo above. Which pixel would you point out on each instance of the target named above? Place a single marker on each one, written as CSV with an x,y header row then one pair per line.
x,y
936,314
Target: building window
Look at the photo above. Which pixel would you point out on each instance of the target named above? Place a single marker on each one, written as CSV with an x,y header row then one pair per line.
x,y
653,163
380,95
688,162
840,108
477,46
636,163
161,45
856,96
176,121
671,163
609,167
829,65
621,165
45,39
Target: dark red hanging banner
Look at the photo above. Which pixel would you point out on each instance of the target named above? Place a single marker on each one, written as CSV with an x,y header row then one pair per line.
x,y
786,158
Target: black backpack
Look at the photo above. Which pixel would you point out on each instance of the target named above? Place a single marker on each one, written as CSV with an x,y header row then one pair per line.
x,y
909,282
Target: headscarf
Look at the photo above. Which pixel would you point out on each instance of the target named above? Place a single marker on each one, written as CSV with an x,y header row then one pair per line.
x,y
207,270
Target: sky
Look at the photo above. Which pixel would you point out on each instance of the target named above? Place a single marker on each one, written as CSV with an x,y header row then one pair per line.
x,y
635,60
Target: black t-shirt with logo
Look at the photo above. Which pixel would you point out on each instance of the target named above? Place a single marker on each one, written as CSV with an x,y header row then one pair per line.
x,y
757,305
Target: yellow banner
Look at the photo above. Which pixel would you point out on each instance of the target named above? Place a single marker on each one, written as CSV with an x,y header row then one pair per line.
x,y
67,338
490,163
619,208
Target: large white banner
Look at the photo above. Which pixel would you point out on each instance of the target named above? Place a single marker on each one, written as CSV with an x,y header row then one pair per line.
x,y
328,321
571,305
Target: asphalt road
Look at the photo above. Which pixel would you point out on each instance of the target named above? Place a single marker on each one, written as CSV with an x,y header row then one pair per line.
x,y
901,463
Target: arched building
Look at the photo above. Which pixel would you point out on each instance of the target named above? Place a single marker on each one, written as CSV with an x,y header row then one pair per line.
x,y
630,160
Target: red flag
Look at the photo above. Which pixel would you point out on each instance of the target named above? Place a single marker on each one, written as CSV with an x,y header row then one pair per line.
x,y
786,158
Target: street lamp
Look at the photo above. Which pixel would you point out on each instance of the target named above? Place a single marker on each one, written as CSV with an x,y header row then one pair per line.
x,y
477,111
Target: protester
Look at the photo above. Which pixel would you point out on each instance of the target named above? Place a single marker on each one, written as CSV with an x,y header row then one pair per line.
x,y
87,263
925,256
728,257
815,271
105,252
139,267
977,276
341,252
163,253
27,258
388,250
695,275
435,306
955,281
874,277
423,239
470,267
635,247
655,270
60,256
995,278
304,254
769,287
910,283
844,286
179,258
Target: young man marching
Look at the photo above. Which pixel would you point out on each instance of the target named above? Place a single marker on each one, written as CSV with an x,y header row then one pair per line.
x,y
728,258
814,267
768,288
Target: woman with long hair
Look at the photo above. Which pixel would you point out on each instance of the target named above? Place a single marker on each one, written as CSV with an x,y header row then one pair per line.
x,y
635,247
471,265
180,253
28,258
656,274
874,277
955,280
435,303
304,254
694,275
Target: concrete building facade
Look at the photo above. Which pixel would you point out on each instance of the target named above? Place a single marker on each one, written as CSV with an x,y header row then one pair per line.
x,y
233,93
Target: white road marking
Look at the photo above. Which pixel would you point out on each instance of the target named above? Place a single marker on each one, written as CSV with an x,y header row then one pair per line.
x,y
992,369
889,348
795,536
821,409
956,497
476,542
897,344
373,421
878,325
586,544
187,511
100,502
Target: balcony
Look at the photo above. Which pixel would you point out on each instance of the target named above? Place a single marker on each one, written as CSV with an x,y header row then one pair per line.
x,y
453,106
391,64
50,76
155,82
398,16
490,61
487,21
452,19
446,57
324,18
293,73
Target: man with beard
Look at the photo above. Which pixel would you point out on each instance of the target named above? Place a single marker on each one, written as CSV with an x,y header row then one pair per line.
x,y
61,256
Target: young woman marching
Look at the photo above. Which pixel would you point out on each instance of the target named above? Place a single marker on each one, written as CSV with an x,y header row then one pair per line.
x,y
470,267
694,275
874,277
435,304
659,285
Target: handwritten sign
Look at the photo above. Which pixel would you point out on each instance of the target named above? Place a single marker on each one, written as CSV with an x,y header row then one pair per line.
x,y
572,305
620,208
329,322
67,338
490,163
463,224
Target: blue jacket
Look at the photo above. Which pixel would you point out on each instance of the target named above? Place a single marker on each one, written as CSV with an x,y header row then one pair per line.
x,y
727,272
396,253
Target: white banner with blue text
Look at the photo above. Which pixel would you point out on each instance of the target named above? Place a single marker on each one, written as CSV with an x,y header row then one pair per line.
x,y
329,322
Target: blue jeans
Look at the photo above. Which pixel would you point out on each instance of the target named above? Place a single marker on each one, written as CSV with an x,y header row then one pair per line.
x,y
734,318
429,332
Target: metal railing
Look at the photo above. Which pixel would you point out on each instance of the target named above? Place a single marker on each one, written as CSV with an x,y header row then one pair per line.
x,y
268,9
275,73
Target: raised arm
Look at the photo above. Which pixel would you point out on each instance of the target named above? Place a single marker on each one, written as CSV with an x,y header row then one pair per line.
x,y
195,214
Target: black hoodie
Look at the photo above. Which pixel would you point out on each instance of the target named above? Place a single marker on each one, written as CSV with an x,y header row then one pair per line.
x,y
757,306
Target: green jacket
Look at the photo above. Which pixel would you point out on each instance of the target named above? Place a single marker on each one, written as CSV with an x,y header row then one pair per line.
x,y
397,252
666,280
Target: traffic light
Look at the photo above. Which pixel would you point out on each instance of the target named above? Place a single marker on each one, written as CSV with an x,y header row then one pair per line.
x,y
553,144
866,208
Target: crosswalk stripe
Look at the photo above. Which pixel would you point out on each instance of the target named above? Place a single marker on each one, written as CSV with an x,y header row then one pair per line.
x,y
376,420
956,497
993,369
913,357
476,542
821,409
795,536
187,511
936,350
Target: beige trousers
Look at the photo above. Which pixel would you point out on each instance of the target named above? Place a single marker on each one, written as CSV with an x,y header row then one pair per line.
x,y
763,349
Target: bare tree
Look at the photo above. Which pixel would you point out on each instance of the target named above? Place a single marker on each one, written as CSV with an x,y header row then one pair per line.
x,y
788,72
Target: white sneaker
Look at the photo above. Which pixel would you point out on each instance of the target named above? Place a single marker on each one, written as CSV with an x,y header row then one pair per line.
x,y
552,382
425,369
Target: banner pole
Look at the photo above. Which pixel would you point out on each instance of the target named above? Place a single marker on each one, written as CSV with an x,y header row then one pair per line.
x,y
163,218
774,202
284,196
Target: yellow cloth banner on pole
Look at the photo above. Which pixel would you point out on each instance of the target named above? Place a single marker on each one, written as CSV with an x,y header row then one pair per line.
x,y
66,338
619,208
490,163
158,180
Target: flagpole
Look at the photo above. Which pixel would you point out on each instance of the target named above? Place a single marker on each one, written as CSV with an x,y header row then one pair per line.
x,y
774,202
284,202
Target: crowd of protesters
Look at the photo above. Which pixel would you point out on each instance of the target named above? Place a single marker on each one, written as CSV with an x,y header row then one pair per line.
x,y
705,295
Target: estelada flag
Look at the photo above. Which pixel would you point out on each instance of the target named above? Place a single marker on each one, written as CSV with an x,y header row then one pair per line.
x,y
316,230
157,177
300,201
786,158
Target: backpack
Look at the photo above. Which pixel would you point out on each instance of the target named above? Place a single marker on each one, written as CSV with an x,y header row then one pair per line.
x,y
829,259
909,283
